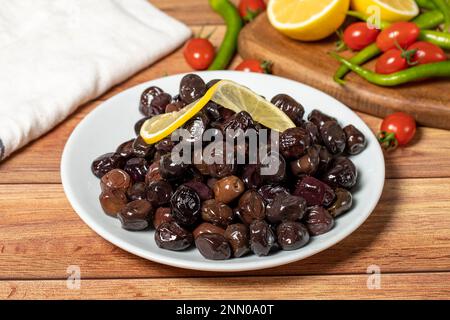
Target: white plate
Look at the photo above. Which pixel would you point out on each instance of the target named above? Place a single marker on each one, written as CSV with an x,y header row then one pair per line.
x,y
112,122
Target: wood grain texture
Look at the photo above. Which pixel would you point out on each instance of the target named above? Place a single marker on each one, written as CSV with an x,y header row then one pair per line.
x,y
393,286
427,156
42,236
310,63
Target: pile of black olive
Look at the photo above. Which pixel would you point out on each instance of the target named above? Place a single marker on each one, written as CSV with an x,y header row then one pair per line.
x,y
230,210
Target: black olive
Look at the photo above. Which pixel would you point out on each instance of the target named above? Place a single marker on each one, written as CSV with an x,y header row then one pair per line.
x,y
333,137
342,173
213,246
171,236
292,235
319,118
185,204
356,142
146,99
293,109
106,163
192,87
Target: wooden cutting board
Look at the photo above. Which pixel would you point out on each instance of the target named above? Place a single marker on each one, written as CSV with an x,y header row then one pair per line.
x,y
428,101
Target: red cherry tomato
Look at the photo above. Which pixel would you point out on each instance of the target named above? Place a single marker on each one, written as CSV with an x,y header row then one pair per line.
x,y
199,53
252,65
401,125
427,53
249,9
403,33
391,61
358,35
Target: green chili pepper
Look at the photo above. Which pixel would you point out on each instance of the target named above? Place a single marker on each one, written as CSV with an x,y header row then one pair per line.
x,y
426,4
361,57
229,43
429,19
442,6
431,70
440,39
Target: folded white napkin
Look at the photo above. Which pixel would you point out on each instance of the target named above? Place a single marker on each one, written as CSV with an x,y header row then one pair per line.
x,y
57,54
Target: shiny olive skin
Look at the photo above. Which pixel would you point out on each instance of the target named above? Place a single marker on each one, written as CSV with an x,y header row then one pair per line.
x,y
137,168
318,220
314,191
146,99
106,162
225,164
313,132
325,158
292,235
192,87
262,238
238,237
342,204
159,104
355,140
293,109
251,207
211,110
251,176
273,168
162,215
138,125
186,206
213,246
125,149
294,142
137,191
268,192
171,236
227,189
319,118
333,137
307,164
217,213
196,126
174,106
159,193
141,149
165,145
136,215
286,207
203,191
238,124
207,227
171,170
153,173
342,173
116,179
112,201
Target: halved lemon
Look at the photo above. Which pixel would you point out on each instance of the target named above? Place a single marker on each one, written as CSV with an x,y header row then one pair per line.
x,y
389,10
230,95
307,20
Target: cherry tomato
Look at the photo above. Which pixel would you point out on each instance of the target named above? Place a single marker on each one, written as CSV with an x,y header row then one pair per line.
x,y
391,61
427,53
403,33
397,128
199,53
252,65
358,35
249,9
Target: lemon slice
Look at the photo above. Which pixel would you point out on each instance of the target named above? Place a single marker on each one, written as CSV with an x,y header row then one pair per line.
x,y
230,95
307,20
390,10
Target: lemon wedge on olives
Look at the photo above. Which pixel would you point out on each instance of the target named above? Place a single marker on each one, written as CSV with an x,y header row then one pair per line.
x,y
226,93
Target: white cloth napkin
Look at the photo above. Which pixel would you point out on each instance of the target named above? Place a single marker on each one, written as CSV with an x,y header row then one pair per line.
x,y
57,54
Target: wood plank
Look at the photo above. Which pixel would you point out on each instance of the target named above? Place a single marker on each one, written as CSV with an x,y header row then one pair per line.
x,y
393,286
192,12
40,236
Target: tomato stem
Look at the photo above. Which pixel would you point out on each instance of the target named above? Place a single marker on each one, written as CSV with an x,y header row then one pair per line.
x,y
387,140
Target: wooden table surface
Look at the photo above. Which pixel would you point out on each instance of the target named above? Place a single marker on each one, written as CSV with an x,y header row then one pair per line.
x,y
407,237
